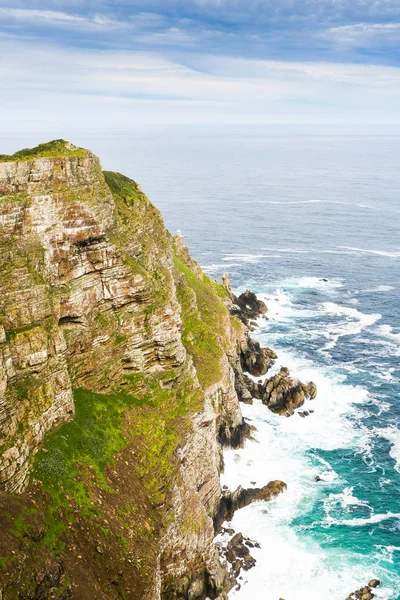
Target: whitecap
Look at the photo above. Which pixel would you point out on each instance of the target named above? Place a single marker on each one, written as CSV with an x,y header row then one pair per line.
x,y
387,331
355,322
215,267
360,521
247,258
381,288
386,253
392,435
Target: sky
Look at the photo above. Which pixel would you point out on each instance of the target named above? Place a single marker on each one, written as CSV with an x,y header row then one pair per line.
x,y
119,63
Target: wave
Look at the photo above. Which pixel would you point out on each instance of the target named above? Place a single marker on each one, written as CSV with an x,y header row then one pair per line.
x,y
334,202
387,332
281,307
216,267
247,258
381,288
360,522
375,252
392,435
358,321
345,499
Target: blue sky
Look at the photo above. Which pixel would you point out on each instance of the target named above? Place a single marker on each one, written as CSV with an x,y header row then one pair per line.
x,y
199,61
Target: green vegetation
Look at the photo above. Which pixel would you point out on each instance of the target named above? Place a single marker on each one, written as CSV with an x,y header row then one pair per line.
x,y
126,190
74,459
86,444
53,149
140,233
203,329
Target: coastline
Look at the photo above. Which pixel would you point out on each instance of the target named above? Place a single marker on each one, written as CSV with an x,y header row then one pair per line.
x,y
278,553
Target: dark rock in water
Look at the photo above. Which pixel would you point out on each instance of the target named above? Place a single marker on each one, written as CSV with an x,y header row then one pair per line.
x,y
256,360
248,307
323,279
283,393
237,554
365,593
241,497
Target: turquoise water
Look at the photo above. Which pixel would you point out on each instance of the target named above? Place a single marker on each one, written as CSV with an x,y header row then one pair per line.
x,y
280,213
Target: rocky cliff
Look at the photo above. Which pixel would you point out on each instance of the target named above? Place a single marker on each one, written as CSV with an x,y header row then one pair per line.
x,y
121,370
118,365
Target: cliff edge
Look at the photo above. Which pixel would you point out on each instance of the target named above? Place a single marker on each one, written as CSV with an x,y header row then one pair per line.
x,y
119,367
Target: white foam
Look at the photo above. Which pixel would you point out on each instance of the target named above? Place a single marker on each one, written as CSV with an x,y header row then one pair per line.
x,y
247,258
335,202
348,311
281,307
290,564
355,322
381,288
387,331
345,499
360,522
392,435
216,266
393,254
314,283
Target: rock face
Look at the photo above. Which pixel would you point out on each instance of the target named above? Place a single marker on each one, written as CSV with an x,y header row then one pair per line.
x,y
247,306
103,313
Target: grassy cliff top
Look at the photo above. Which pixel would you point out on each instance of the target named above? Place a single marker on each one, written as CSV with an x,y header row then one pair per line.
x,y
53,149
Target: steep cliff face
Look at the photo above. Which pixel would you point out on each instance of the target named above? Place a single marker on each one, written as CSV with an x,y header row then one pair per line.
x,y
117,389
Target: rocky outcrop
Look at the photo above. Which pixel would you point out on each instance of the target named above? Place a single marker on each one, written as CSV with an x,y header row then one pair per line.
x,y
246,307
283,393
241,497
365,593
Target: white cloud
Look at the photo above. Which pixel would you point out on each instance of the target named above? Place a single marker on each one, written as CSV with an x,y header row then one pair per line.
x,y
364,34
48,84
58,18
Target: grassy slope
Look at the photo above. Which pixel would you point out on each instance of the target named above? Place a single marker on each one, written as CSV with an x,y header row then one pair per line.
x,y
54,149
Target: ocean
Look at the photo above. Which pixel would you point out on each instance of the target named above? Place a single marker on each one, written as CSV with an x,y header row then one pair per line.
x,y
282,211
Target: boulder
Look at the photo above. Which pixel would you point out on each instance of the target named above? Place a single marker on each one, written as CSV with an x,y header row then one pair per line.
x,y
247,306
283,393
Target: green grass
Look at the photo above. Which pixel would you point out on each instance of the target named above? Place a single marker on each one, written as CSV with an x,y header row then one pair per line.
x,y
53,149
88,442
127,190
10,333
203,330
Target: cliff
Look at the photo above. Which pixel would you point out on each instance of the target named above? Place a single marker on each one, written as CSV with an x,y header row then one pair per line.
x,y
120,366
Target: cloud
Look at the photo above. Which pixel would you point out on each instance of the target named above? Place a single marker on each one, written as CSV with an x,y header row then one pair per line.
x,y
58,18
45,84
365,34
